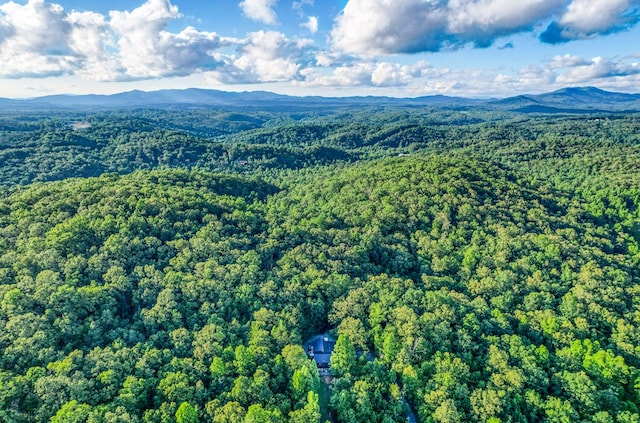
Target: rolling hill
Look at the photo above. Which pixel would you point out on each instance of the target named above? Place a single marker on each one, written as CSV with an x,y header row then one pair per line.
x,y
566,100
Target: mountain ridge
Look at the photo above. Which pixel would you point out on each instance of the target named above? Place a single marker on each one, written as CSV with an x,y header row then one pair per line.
x,y
568,99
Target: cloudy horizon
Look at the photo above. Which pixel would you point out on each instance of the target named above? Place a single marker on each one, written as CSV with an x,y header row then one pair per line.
x,y
472,48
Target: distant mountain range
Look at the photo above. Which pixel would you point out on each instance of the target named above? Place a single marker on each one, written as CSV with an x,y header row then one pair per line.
x,y
585,99
566,100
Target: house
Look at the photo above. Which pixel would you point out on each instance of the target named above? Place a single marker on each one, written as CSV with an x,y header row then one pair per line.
x,y
319,349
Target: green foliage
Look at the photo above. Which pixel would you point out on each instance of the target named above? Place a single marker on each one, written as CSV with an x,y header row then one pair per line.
x,y
310,413
343,359
186,414
72,412
491,276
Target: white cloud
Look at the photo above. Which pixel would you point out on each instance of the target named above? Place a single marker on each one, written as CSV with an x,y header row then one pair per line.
x,y
380,26
298,5
534,77
266,56
36,26
260,10
576,70
327,58
482,21
422,78
146,49
567,61
89,34
589,72
90,39
372,74
342,76
311,25
139,36
568,70
39,39
408,26
370,27
388,74
35,39
43,39
591,16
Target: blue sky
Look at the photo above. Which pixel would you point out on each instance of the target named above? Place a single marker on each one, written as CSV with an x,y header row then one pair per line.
x,y
475,48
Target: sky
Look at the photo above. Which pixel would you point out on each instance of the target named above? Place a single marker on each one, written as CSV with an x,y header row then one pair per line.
x,y
407,48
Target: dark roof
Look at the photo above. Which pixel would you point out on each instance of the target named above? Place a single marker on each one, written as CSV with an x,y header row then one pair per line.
x,y
322,358
322,346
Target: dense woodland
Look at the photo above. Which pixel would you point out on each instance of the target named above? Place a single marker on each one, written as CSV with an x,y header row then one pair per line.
x,y
167,266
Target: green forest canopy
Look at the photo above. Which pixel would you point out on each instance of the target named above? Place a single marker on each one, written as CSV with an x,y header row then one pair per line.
x,y
491,271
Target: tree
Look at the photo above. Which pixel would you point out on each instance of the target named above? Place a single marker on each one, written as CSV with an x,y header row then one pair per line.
x,y
343,358
257,414
310,413
186,413
72,412
303,381
231,412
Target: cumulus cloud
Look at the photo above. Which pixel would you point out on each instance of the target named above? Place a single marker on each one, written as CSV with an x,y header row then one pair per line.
x,y
260,10
266,56
378,26
342,76
369,27
388,74
327,58
148,50
42,39
567,61
409,26
36,26
482,21
587,72
535,77
39,39
421,78
6,29
372,74
34,40
588,18
311,25
88,34
570,70
90,39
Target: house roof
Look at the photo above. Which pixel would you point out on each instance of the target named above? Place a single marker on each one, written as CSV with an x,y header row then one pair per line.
x,y
322,358
322,346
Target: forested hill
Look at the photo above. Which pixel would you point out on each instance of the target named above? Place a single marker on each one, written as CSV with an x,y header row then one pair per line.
x,y
183,295
475,264
568,149
576,99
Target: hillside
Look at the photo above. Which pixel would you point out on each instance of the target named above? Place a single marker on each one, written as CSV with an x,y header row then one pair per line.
x,y
40,147
474,264
566,100
480,294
